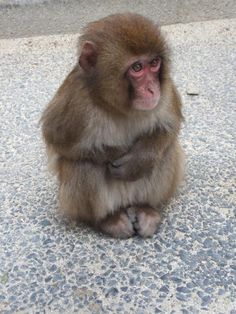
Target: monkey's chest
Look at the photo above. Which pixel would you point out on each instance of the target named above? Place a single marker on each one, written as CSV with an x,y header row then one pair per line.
x,y
107,134
102,131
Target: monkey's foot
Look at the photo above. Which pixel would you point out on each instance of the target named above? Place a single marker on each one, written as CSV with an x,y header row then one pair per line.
x,y
145,220
118,225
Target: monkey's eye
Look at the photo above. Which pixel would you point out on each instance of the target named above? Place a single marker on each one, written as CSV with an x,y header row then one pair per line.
x,y
137,66
155,62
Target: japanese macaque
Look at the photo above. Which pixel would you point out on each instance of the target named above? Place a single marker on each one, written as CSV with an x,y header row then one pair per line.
x,y
112,128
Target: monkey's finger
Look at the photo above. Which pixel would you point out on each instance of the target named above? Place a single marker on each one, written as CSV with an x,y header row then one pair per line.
x,y
121,161
116,172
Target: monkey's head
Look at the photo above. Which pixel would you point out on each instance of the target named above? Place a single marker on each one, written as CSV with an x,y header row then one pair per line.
x,y
124,62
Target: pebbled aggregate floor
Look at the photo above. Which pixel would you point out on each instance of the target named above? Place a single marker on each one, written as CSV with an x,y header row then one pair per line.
x,y
48,265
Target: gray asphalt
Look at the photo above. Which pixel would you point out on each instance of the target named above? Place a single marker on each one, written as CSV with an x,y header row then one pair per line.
x,y
48,265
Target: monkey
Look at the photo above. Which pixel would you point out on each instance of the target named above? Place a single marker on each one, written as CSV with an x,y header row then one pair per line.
x,y
112,128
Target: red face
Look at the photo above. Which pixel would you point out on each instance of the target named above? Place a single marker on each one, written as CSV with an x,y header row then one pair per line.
x,y
144,77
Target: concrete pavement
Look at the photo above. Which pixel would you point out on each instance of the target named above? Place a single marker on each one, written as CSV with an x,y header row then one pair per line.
x,y
67,16
48,265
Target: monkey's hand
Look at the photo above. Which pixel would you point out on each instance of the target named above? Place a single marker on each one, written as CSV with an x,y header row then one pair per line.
x,y
136,164
103,156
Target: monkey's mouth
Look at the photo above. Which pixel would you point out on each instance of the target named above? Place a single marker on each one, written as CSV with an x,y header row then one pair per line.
x,y
146,97
144,104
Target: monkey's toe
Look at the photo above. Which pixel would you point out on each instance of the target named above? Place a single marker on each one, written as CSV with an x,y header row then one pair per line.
x,y
147,221
132,214
118,226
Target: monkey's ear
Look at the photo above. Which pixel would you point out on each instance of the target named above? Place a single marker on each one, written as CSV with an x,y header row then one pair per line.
x,y
88,56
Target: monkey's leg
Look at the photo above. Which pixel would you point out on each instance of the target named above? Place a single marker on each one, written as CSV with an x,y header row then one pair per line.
x,y
145,220
82,191
86,196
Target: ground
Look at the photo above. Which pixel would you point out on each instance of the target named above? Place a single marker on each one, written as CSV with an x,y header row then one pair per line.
x,y
189,266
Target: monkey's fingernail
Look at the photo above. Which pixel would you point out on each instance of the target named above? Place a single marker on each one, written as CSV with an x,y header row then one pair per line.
x,y
115,165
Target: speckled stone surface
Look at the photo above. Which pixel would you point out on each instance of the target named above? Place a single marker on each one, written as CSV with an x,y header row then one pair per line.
x,y
48,265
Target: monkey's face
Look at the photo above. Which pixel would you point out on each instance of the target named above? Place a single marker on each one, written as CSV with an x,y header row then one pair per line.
x,y
124,84
125,59
143,75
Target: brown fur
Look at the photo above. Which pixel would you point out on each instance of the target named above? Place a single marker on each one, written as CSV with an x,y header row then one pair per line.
x,y
89,126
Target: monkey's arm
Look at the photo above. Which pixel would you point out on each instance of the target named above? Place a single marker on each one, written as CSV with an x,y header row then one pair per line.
x,y
96,156
63,133
64,124
142,156
67,143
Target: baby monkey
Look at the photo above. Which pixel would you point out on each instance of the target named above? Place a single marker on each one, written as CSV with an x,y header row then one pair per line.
x,y
112,128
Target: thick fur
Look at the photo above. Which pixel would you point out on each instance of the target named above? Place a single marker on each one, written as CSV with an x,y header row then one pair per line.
x,y
89,122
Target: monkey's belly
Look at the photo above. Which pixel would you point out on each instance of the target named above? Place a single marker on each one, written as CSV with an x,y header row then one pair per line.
x,y
86,192
153,190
